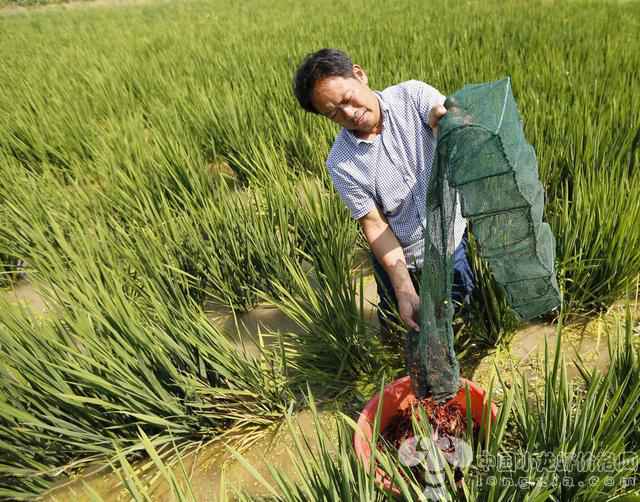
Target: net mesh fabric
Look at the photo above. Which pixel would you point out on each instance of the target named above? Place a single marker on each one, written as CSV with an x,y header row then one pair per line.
x,y
483,156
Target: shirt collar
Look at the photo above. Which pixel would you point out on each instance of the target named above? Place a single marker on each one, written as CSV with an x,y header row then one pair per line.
x,y
384,108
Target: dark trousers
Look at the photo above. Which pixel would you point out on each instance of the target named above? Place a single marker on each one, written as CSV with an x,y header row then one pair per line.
x,y
463,284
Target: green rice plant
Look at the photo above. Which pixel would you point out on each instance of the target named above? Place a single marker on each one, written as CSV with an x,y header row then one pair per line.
x,y
598,247
334,346
9,270
240,243
170,470
624,371
106,280
127,347
151,170
40,210
138,489
228,244
261,164
78,385
35,145
580,438
326,467
124,352
178,92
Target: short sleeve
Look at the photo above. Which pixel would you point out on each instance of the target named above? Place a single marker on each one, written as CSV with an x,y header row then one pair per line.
x,y
425,97
355,196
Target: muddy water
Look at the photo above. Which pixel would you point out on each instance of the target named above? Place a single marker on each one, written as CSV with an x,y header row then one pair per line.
x,y
207,468
245,328
583,340
24,292
207,465
242,328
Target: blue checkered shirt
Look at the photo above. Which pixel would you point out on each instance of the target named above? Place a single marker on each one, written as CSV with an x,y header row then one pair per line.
x,y
392,170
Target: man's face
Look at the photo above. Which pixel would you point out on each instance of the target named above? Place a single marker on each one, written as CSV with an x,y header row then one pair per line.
x,y
348,102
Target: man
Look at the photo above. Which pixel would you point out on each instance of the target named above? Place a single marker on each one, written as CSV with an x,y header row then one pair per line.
x,y
380,164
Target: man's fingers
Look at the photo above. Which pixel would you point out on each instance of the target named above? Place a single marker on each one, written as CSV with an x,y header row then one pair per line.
x,y
409,308
415,322
437,112
411,323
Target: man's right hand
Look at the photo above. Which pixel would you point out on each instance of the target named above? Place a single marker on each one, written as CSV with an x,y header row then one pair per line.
x,y
409,309
389,253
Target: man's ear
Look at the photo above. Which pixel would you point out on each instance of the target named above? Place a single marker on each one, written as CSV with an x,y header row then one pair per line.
x,y
359,74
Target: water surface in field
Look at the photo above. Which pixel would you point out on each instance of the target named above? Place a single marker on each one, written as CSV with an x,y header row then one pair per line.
x,y
582,340
23,292
245,328
207,467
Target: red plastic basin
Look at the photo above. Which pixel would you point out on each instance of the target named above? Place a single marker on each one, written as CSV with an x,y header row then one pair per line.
x,y
397,397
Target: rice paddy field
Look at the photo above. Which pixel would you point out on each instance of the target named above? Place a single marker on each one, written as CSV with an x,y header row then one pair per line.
x,y
158,176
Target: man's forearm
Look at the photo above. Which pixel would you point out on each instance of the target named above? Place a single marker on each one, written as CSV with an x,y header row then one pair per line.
x,y
388,251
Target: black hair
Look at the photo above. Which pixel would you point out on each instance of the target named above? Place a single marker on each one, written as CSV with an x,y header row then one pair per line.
x,y
316,66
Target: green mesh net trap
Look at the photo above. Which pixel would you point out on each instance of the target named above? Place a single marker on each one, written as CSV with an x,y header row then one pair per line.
x,y
484,163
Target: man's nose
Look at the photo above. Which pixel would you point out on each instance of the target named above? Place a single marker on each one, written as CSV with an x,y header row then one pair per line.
x,y
349,111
